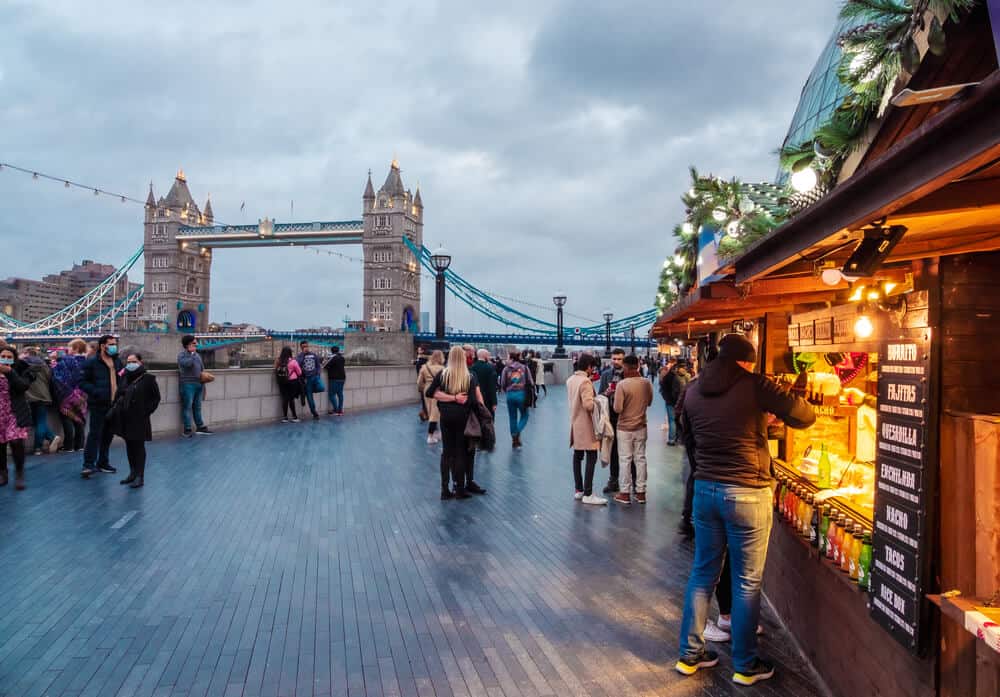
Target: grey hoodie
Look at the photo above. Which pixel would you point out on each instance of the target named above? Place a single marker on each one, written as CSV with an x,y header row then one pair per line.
x,y
189,366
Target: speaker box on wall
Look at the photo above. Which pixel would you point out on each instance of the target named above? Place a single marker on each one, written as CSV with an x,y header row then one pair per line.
x,y
873,249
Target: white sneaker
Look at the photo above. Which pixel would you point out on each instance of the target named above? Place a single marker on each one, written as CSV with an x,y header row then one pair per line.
x,y
430,439
54,445
578,495
713,632
595,500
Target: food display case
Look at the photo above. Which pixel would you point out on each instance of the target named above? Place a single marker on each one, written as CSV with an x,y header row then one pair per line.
x,y
833,460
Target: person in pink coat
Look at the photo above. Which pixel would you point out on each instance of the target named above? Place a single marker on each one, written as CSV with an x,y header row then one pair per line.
x,y
289,375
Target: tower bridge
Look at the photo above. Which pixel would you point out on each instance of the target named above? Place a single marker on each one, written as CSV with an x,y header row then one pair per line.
x,y
179,238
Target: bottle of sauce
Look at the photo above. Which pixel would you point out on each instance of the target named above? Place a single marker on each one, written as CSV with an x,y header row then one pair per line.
x,y
831,533
865,562
845,546
824,530
838,538
807,514
855,560
814,517
824,468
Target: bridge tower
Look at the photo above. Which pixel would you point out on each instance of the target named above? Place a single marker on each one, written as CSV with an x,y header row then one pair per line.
x,y
392,272
177,273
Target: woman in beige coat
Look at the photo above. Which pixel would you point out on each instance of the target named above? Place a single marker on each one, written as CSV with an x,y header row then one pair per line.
x,y
429,371
580,395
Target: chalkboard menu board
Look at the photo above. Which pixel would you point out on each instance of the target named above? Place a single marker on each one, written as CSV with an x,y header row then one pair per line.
x,y
901,500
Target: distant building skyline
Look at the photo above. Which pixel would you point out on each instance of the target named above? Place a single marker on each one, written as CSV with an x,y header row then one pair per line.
x,y
29,300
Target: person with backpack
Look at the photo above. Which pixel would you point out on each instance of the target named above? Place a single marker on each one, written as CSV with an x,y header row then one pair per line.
x,y
288,373
40,399
15,414
137,399
516,382
336,374
72,401
312,380
456,392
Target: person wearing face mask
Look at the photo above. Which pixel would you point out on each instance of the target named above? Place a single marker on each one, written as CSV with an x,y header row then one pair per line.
x,y
100,381
15,414
137,399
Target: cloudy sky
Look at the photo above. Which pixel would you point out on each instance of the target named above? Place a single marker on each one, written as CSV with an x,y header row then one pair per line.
x,y
551,140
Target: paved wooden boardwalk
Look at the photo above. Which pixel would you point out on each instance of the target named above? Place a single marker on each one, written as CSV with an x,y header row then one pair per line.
x,y
316,559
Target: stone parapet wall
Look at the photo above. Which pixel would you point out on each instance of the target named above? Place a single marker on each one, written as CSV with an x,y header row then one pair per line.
x,y
246,396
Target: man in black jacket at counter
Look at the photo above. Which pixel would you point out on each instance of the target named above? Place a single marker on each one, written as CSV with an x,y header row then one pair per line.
x,y
725,415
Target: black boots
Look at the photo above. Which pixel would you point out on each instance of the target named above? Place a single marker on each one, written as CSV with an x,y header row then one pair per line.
x,y
19,476
474,488
3,470
130,478
137,484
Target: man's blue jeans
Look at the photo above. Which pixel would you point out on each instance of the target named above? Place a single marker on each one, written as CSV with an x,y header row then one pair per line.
x,y
313,383
40,418
337,396
738,517
191,393
671,423
517,411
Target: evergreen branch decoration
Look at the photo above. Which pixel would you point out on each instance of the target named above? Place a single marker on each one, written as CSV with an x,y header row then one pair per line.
x,y
876,51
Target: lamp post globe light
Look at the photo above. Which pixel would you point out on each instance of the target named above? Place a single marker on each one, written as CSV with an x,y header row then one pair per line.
x,y
440,260
608,316
559,299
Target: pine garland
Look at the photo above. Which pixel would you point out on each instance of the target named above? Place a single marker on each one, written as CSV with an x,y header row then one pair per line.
x,y
875,53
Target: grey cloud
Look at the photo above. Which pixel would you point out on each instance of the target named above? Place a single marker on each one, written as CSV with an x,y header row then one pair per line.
x,y
548,138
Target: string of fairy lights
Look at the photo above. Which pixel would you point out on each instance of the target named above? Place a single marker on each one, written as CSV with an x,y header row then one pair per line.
x,y
69,183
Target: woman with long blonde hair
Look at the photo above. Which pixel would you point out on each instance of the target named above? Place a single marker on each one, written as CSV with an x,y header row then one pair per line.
x,y
429,371
456,391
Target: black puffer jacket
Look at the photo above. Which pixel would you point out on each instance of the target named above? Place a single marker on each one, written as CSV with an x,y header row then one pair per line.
x,y
725,420
136,401
18,381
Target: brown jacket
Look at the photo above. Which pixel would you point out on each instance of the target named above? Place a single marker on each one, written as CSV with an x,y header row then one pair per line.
x,y
428,371
632,398
580,394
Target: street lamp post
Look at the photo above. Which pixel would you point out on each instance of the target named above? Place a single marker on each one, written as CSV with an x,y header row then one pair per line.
x,y
608,316
559,300
632,330
440,260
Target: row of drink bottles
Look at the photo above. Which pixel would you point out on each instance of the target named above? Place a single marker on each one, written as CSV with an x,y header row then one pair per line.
x,y
837,537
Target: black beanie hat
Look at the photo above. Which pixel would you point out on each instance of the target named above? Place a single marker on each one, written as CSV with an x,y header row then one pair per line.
x,y
736,347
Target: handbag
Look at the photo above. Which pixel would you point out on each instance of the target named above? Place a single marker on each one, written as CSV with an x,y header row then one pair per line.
x,y
206,377
318,386
472,427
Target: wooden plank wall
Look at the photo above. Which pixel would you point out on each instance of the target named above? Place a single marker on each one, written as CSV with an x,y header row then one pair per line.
x,y
969,503
828,616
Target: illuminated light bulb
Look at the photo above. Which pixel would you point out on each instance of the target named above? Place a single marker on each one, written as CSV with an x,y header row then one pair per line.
x,y
863,327
804,180
889,285
873,294
832,277
718,215
687,228
856,295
